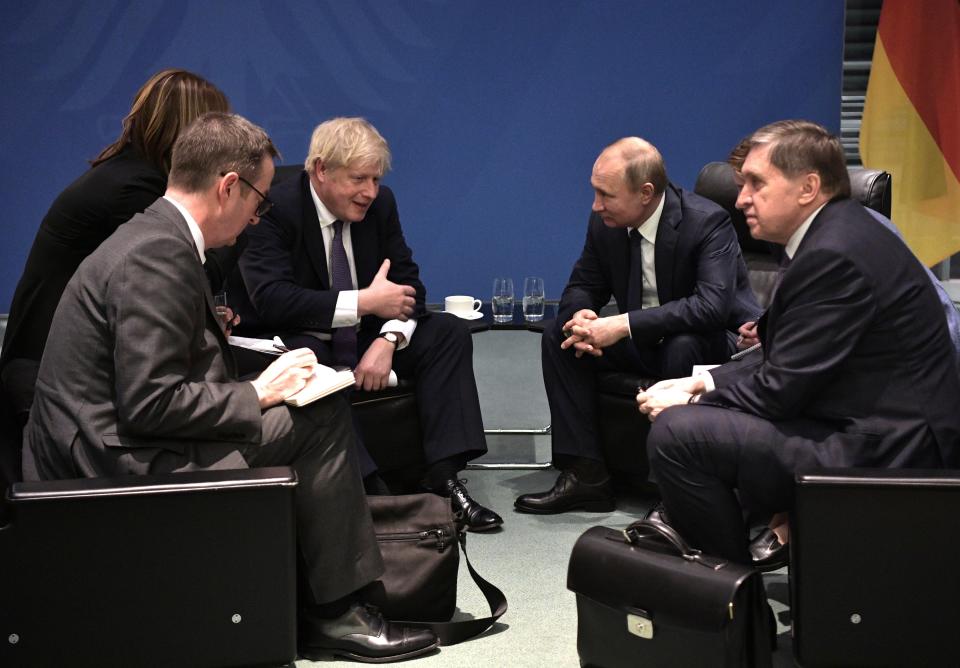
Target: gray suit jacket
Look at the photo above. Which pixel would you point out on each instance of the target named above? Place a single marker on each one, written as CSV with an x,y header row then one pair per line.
x,y
136,367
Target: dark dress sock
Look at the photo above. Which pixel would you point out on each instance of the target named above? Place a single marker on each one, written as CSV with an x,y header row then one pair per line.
x,y
441,471
374,485
333,609
590,471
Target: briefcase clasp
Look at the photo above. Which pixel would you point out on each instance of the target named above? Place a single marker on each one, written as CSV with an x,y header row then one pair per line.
x,y
640,626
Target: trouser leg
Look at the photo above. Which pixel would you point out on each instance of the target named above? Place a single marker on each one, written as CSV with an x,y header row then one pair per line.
x,y
334,528
439,360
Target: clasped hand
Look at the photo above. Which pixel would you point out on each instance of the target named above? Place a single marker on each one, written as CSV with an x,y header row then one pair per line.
x,y
666,393
588,333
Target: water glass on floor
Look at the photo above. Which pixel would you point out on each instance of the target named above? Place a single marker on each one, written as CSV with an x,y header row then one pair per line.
x,y
502,303
533,298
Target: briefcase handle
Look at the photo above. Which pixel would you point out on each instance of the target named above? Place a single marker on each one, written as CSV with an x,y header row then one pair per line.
x,y
647,528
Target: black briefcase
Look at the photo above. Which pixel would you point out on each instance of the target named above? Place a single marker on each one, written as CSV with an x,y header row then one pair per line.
x,y
645,598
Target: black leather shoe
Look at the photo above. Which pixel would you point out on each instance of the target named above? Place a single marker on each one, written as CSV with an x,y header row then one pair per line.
x,y
568,493
475,516
658,514
768,553
362,634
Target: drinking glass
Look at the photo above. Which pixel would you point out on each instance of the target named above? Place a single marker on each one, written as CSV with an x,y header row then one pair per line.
x,y
533,298
502,303
220,306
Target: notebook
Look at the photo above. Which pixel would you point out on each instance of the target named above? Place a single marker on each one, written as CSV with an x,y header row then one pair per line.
x,y
323,382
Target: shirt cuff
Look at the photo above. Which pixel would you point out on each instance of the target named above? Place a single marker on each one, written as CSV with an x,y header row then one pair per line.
x,y
708,383
400,327
345,313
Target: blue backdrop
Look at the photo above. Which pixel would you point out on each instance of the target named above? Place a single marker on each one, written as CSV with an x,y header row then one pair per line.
x,y
495,110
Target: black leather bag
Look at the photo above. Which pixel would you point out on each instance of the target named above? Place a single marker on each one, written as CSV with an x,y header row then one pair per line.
x,y
645,598
420,540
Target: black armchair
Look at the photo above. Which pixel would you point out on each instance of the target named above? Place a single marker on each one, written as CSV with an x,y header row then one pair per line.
x,y
180,569
873,575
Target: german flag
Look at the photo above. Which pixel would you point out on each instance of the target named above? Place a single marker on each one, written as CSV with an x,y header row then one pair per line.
x,y
911,122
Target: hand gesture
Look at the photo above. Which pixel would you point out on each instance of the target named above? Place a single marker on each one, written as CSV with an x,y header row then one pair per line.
x,y
385,298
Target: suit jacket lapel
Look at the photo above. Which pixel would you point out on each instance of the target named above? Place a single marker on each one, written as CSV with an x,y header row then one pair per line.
x,y
665,247
313,235
365,258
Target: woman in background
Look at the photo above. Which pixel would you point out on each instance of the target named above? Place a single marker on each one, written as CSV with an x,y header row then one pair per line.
x,y
123,180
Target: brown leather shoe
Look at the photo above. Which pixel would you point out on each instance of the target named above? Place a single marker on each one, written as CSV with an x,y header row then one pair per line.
x,y
569,493
362,634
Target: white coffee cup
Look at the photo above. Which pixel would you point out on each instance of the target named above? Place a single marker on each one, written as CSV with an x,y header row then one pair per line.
x,y
461,305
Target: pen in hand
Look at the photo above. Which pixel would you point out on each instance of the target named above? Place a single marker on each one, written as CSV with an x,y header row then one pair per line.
x,y
278,344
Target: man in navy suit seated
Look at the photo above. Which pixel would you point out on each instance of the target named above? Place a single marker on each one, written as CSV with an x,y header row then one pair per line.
x,y
671,261
328,269
857,367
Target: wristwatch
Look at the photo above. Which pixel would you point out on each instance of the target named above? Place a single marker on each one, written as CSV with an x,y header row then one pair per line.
x,y
392,338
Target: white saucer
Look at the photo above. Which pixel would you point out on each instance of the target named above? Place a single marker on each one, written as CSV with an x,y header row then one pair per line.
x,y
474,315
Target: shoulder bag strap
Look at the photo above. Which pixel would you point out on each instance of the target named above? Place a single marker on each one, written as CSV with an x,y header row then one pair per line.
x,y
450,633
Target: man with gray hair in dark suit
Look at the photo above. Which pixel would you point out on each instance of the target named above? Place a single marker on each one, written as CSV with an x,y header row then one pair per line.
x,y
137,378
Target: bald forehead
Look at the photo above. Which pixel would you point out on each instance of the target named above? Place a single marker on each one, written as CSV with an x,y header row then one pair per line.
x,y
628,148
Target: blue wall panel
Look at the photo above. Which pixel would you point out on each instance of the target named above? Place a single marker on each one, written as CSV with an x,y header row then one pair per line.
x,y
495,110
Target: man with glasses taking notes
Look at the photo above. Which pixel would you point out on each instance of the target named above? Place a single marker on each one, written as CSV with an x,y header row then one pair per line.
x,y
137,378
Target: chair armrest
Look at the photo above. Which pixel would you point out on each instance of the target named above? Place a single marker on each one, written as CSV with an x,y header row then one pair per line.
x,y
190,481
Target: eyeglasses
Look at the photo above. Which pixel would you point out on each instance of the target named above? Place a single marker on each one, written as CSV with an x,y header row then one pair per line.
x,y
265,202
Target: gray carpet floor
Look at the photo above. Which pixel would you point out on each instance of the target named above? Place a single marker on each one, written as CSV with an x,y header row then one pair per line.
x,y
528,557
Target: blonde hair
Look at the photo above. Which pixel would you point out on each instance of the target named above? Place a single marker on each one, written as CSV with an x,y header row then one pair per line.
x,y
340,142
166,104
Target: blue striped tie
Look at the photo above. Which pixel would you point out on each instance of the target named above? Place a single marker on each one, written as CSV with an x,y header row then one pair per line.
x,y
344,338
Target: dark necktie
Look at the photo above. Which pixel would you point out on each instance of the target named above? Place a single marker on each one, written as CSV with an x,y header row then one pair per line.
x,y
635,275
344,338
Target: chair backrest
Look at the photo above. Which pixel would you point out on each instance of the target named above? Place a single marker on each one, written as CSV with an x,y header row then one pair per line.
x,y
871,187
284,172
873,573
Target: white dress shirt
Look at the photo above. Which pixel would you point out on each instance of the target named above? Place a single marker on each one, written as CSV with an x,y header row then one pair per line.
x,y
648,240
345,313
194,228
